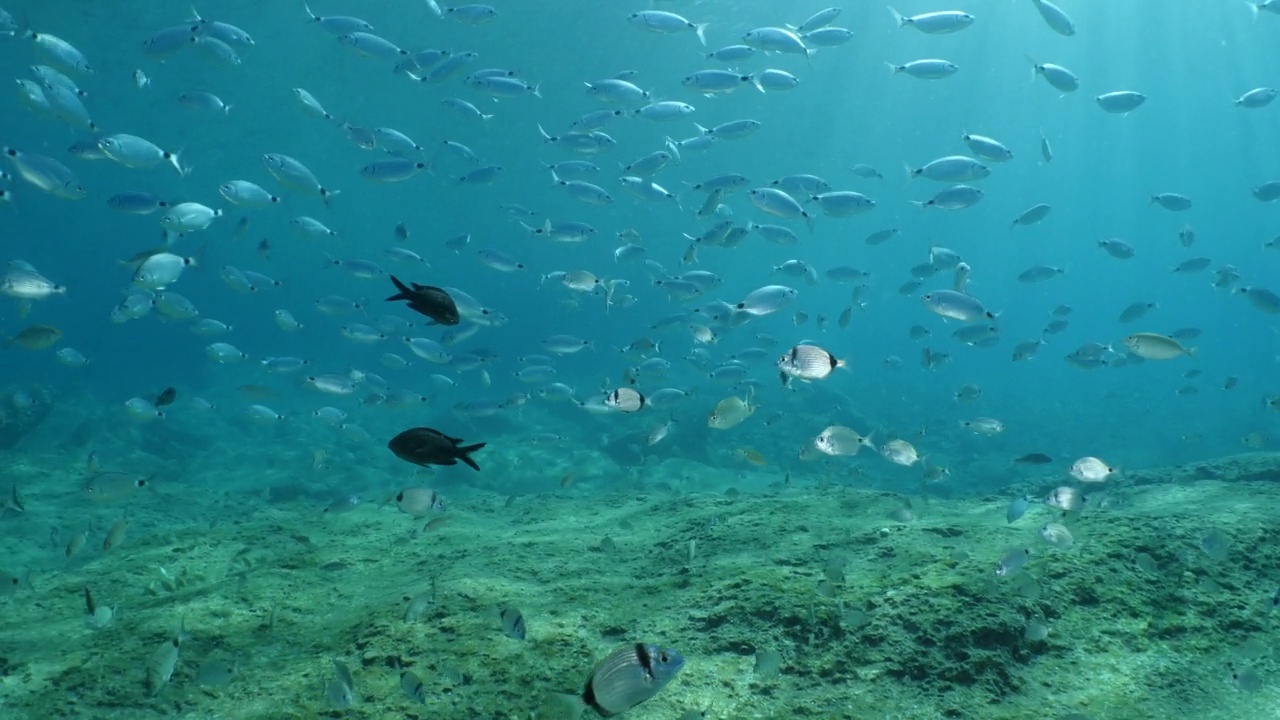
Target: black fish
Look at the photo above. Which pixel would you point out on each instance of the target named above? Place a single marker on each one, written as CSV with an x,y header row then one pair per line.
x,y
427,446
1034,459
166,397
430,301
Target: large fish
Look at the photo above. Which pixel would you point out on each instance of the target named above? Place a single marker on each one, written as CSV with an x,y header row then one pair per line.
x,y
433,302
428,446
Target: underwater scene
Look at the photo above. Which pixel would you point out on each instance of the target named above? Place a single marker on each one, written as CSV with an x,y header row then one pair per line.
x,y
667,359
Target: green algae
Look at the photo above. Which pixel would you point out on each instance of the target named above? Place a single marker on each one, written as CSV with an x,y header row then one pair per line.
x,y
919,626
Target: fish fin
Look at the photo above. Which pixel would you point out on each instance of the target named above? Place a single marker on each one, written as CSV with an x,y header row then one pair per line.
x,y
466,451
404,291
563,706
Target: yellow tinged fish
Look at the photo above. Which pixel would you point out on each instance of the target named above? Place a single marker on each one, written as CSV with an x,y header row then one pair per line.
x,y
751,456
36,337
112,487
1156,347
731,411
115,535
161,666
77,542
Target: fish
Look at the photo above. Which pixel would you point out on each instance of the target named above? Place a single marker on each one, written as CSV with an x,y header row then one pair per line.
x,y
35,337
839,441
624,399
412,686
1016,509
1057,535
1091,470
807,363
1033,459
13,503
112,487
731,411
427,300
1065,498
160,667
419,502
166,397
900,452
339,690
1152,346
1012,562
427,446
216,672
512,622
627,677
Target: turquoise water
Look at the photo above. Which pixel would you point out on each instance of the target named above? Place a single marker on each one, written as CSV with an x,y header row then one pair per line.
x,y
218,477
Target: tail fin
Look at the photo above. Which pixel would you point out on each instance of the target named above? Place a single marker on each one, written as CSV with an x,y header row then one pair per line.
x,y
466,451
404,291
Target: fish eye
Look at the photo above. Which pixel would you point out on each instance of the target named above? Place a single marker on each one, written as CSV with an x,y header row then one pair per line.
x,y
662,656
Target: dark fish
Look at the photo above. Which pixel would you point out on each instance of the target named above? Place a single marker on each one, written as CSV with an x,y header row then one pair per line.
x,y
166,397
36,337
412,686
264,248
427,446
1034,459
430,301
402,232
628,676
512,623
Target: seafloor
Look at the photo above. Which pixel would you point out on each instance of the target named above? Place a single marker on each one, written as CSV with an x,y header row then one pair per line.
x,y
1147,618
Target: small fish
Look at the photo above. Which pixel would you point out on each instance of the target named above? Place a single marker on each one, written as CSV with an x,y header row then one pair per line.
x,y
419,502
1057,535
731,411
339,689
1152,346
1012,562
35,337
1034,459
900,452
412,686
624,399
162,664
808,362
840,441
512,623
1065,498
1091,469
76,543
166,397
216,672
1016,509
13,502
115,535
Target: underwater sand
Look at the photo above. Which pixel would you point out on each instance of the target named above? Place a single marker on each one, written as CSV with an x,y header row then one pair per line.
x,y
921,627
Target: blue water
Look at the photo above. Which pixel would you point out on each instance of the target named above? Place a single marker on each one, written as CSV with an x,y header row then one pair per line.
x,y
1188,138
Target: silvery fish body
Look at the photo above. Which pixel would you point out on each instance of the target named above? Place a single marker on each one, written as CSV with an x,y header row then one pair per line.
x,y
808,362
629,676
